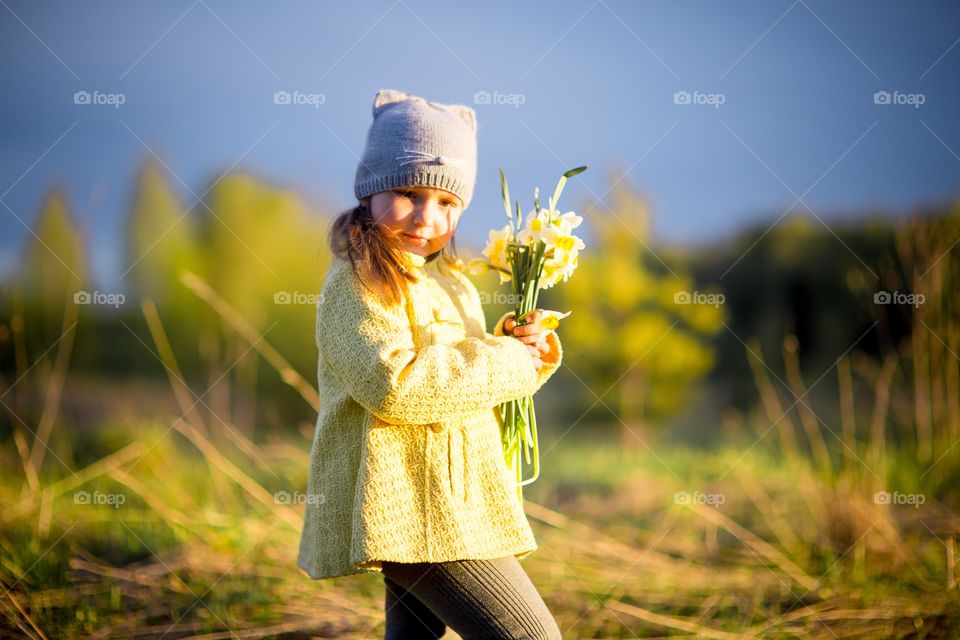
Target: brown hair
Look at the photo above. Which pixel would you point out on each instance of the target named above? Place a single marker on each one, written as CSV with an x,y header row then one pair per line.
x,y
355,236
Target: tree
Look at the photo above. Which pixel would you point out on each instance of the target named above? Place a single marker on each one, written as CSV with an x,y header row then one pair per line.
x,y
161,241
53,271
638,327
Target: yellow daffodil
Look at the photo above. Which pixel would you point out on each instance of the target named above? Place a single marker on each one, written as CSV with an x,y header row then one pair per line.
x,y
540,250
565,222
478,266
496,249
536,225
551,319
562,244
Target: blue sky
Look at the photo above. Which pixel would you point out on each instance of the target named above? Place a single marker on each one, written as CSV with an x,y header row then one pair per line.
x,y
569,84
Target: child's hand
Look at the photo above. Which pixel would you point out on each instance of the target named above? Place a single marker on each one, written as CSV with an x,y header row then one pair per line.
x,y
531,333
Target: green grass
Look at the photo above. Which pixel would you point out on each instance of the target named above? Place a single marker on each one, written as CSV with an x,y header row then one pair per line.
x,y
191,552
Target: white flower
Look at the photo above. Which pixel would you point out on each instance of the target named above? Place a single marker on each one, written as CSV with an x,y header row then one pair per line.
x,y
533,230
550,319
496,249
562,247
565,222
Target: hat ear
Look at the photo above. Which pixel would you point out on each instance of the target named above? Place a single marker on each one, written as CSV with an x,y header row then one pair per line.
x,y
466,114
385,97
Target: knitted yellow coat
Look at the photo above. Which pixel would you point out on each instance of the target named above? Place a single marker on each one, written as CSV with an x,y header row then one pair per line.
x,y
406,463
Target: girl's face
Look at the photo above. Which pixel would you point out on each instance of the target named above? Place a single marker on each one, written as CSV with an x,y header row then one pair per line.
x,y
423,218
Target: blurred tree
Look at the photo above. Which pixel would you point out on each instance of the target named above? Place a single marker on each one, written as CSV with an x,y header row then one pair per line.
x,y
640,332
42,316
265,255
916,290
263,242
259,248
793,276
161,240
52,274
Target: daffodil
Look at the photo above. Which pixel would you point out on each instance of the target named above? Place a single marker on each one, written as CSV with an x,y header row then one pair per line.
x,y
537,224
563,248
496,249
553,272
550,319
497,254
478,266
565,222
532,253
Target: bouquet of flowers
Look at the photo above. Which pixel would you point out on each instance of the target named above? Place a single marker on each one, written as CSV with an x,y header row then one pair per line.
x,y
531,254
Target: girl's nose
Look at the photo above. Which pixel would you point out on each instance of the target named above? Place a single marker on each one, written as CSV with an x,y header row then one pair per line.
x,y
428,213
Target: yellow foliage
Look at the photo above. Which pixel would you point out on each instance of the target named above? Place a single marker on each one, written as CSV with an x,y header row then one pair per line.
x,y
53,269
627,324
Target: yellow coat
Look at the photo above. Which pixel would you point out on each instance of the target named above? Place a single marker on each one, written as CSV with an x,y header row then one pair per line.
x,y
406,463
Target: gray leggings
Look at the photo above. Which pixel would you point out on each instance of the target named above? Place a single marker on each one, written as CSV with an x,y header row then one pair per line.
x,y
476,598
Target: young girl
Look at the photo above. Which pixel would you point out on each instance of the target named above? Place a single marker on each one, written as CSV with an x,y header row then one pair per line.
x,y
407,472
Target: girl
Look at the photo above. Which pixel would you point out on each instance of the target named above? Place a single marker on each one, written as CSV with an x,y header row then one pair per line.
x,y
407,474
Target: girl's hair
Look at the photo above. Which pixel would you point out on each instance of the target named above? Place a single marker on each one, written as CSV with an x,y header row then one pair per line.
x,y
355,236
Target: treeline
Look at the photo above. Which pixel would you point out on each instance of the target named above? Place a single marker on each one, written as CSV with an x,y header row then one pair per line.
x,y
650,324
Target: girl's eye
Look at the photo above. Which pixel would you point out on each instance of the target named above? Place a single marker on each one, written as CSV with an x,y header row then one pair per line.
x,y
449,203
406,194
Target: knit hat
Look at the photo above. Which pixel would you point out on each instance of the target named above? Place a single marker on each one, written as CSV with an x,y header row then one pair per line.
x,y
417,143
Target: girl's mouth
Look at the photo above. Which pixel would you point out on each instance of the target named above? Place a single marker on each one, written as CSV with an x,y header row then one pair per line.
x,y
416,239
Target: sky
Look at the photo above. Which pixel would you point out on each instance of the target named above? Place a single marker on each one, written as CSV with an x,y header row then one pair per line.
x,y
721,114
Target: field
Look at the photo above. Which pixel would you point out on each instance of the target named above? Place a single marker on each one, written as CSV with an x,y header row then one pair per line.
x,y
822,515
184,534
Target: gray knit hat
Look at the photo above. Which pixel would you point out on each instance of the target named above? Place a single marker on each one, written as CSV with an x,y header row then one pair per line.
x,y
417,143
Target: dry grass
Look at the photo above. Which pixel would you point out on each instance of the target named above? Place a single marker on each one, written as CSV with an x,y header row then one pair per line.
x,y
202,548
180,559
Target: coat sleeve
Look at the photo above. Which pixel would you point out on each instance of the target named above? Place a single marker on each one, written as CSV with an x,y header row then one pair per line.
x,y
370,347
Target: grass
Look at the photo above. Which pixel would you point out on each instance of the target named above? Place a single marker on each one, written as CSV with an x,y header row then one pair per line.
x,y
173,530
189,553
